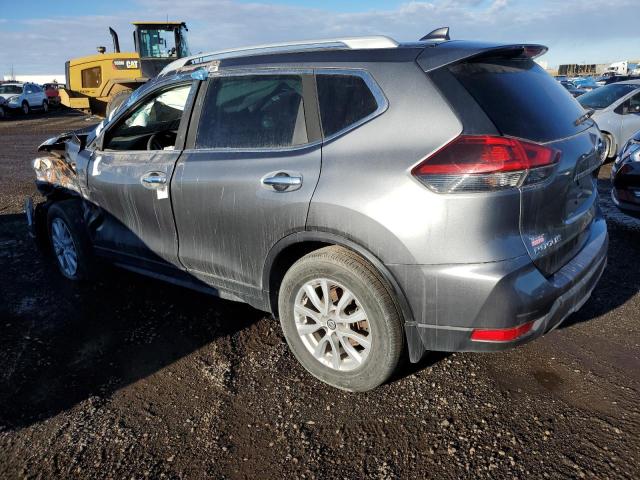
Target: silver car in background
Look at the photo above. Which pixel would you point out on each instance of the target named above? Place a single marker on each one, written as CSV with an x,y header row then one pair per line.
x,y
617,113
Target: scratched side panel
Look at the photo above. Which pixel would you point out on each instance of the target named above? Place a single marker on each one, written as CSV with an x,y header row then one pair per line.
x,y
228,221
134,220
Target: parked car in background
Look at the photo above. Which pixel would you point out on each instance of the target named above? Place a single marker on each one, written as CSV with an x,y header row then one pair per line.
x,y
23,97
585,83
374,196
616,111
609,79
51,90
572,88
625,176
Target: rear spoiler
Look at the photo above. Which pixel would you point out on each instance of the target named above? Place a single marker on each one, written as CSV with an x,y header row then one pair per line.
x,y
455,51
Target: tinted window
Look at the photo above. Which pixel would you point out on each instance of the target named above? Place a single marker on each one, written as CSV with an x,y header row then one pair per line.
x,y
91,77
521,99
634,104
160,115
604,96
10,89
344,100
257,111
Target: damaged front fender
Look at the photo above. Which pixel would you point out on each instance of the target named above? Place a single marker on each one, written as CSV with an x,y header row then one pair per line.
x,y
63,170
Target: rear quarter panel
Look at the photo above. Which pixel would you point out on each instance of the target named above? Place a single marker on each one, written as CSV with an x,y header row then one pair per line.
x,y
366,191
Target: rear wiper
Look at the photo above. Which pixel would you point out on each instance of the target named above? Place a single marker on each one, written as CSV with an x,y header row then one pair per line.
x,y
583,118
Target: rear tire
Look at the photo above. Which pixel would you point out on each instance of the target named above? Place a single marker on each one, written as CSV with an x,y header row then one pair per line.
x,y
353,340
69,240
45,106
3,113
608,155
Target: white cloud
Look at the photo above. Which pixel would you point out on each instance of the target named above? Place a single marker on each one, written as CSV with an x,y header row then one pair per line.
x,y
593,31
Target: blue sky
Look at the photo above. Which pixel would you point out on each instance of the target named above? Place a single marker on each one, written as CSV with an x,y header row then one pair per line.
x,y
36,37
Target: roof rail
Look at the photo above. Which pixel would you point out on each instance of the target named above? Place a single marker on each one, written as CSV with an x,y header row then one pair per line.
x,y
347,43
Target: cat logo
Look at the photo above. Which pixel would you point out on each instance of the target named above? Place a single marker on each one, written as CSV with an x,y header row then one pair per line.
x,y
126,64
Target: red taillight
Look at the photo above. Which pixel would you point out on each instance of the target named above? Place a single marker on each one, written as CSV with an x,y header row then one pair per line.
x,y
485,163
501,334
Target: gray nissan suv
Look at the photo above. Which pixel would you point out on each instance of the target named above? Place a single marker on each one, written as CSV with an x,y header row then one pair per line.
x,y
381,199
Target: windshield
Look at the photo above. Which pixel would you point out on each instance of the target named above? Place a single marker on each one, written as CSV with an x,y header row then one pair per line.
x,y
158,43
11,89
605,96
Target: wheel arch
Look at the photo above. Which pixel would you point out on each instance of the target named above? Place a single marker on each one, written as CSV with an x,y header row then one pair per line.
x,y
293,247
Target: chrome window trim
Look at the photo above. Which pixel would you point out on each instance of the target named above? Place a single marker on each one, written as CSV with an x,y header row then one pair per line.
x,y
253,71
374,88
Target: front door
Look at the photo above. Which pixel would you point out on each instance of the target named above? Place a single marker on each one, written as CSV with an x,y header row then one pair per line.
x,y
128,179
248,177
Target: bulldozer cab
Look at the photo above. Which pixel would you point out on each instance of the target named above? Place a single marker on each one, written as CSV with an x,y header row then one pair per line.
x,y
161,40
159,43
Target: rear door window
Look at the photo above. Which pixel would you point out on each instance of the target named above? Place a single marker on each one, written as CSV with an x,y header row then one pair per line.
x,y
521,98
253,112
345,100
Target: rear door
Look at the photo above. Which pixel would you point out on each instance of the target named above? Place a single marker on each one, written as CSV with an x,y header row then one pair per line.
x,y
128,179
630,119
523,101
247,178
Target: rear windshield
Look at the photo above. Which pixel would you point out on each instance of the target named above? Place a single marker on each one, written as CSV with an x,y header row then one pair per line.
x,y
521,98
604,96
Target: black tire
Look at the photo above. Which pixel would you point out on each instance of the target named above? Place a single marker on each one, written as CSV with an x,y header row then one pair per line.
x,y
117,100
25,107
376,298
70,213
3,113
45,106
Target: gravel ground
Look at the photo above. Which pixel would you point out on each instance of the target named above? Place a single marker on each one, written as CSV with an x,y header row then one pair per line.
x,y
132,378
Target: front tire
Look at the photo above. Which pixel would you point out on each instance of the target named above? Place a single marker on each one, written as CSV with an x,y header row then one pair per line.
x,y
25,107
340,319
69,240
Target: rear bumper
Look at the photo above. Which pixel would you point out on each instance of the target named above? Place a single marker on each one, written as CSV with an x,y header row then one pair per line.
x,y
448,302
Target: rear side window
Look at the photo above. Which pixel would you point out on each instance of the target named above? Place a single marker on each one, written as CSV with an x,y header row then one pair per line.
x,y
344,101
253,111
521,99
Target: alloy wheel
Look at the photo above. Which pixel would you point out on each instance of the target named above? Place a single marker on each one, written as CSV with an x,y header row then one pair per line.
x,y
64,248
332,324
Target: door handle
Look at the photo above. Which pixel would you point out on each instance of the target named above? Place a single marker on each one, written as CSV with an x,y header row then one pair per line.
x,y
282,181
153,180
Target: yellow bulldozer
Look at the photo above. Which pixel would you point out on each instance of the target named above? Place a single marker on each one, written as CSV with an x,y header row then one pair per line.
x,y
100,83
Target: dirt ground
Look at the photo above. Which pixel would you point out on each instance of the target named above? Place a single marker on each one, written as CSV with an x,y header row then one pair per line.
x,y
133,378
